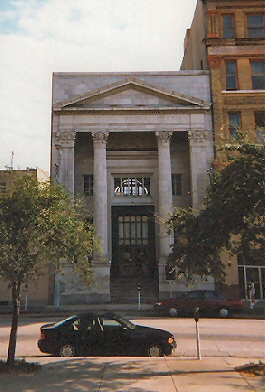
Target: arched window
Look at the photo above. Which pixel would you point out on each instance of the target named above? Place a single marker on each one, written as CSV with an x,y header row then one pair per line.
x,y
132,186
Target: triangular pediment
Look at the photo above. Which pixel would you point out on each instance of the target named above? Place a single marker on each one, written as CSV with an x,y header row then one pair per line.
x,y
130,93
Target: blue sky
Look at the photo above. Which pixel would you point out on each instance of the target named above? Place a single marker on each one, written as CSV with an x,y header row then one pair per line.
x,y
38,37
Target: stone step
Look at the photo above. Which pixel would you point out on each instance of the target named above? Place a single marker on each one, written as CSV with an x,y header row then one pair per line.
x,y
124,291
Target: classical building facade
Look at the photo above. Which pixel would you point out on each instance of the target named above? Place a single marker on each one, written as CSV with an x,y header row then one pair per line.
x,y
135,145
228,39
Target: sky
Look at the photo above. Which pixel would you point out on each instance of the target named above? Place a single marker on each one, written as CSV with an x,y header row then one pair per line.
x,y
39,37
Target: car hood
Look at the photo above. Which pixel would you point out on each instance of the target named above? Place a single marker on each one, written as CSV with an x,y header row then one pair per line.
x,y
153,332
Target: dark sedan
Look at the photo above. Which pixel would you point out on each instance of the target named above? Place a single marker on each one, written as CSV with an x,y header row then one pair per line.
x,y
109,334
209,303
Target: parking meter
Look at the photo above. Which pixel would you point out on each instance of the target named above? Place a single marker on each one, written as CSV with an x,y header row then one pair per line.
x,y
196,314
196,318
139,296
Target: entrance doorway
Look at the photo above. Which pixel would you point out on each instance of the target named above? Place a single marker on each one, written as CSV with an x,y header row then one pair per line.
x,y
133,252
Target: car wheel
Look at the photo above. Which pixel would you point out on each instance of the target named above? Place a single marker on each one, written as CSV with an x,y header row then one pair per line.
x,y
173,312
154,350
67,351
224,312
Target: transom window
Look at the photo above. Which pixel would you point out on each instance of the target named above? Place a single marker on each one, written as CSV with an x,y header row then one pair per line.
x,y
231,75
133,230
228,26
128,186
258,75
256,26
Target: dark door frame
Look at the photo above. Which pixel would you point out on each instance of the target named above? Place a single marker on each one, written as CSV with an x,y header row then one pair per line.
x,y
150,267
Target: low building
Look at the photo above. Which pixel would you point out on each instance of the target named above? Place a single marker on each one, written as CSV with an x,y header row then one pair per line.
x,y
36,293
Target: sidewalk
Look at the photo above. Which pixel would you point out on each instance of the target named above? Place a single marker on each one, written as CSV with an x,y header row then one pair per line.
x,y
107,374
126,310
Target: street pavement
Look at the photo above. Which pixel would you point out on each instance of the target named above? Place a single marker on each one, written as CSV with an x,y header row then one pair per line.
x,y
131,374
168,374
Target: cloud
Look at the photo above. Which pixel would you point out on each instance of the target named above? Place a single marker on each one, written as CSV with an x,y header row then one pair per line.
x,y
41,37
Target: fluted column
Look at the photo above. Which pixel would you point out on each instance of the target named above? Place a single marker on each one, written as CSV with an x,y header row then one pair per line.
x,y
200,158
65,141
165,193
100,188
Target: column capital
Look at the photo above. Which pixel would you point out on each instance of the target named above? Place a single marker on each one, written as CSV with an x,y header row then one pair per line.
x,y
198,138
100,137
65,138
163,137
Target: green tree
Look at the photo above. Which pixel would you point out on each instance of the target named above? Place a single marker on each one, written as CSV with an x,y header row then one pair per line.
x,y
231,218
39,224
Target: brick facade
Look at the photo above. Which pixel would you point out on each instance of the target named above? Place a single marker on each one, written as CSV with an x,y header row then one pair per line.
x,y
227,37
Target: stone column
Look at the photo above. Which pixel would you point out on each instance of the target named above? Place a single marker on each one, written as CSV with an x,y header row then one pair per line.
x,y
65,141
165,195
100,189
200,157
100,292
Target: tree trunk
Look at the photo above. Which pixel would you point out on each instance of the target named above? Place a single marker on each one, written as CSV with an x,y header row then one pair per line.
x,y
14,327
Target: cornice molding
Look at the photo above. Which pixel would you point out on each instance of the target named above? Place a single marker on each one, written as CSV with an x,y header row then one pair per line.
x,y
123,85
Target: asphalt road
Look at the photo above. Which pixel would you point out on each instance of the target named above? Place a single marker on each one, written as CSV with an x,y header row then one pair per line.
x,y
218,337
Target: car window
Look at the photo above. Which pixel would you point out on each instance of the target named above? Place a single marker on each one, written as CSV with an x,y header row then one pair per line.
x,y
127,323
211,295
111,323
195,295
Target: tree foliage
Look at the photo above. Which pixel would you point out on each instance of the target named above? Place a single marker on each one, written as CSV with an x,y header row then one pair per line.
x,y
40,224
232,216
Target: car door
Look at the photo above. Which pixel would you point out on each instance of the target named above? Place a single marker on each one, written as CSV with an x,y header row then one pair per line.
x,y
116,337
72,332
211,301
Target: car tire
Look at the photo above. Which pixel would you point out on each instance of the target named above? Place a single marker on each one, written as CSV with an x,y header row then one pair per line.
x,y
67,351
154,350
173,312
224,312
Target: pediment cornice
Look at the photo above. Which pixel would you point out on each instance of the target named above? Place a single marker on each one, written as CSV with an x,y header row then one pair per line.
x,y
86,101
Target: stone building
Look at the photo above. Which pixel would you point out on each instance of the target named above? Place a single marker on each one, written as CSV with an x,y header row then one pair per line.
x,y
135,145
228,39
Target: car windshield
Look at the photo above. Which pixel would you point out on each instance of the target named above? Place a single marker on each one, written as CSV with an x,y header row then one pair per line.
x,y
128,324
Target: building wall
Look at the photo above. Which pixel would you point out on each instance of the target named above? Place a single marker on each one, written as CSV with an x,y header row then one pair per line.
x,y
38,291
244,99
195,56
218,50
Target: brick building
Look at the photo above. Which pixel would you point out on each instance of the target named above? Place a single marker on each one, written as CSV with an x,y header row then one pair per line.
x,y
228,38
